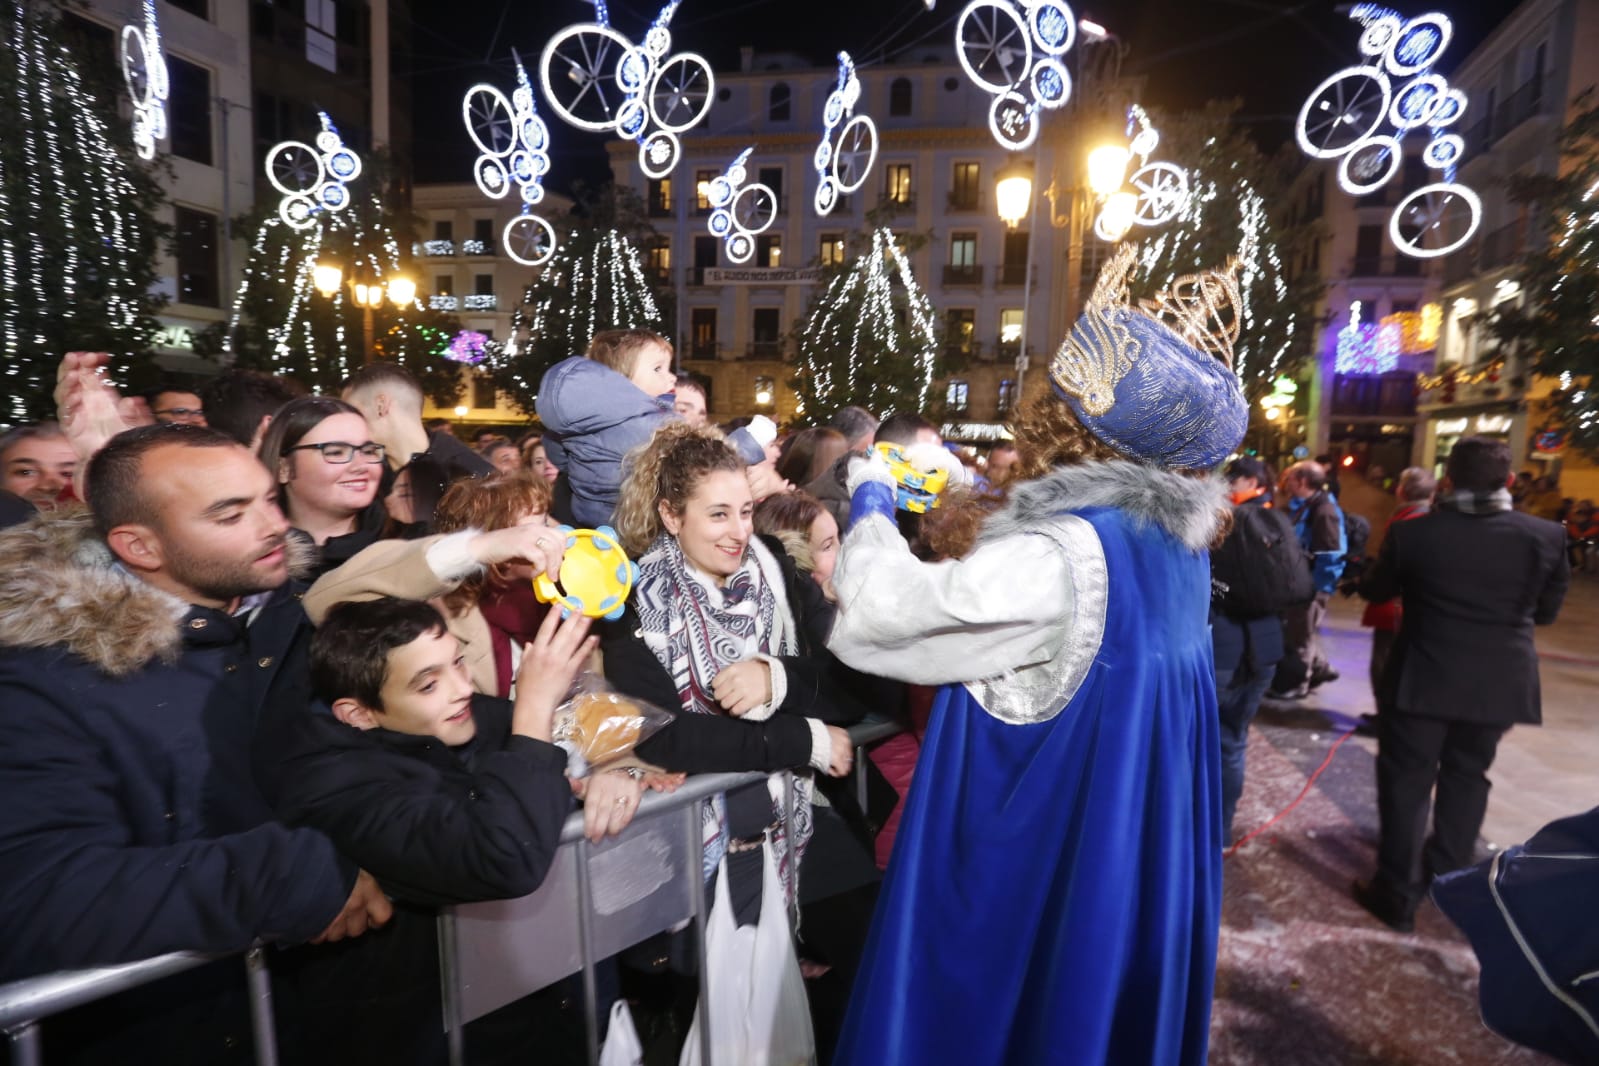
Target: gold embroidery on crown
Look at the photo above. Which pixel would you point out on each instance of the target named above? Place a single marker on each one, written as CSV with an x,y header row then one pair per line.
x,y
1203,309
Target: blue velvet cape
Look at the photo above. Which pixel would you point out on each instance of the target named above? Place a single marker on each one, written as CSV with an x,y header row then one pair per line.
x,y
1055,888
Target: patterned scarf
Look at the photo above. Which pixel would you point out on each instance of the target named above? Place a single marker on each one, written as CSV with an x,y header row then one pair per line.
x,y
695,627
1467,502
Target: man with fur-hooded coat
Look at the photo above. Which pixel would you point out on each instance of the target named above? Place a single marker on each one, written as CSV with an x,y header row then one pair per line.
x,y
138,643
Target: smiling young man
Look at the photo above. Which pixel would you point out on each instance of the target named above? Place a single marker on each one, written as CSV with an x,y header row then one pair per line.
x,y
139,644
37,463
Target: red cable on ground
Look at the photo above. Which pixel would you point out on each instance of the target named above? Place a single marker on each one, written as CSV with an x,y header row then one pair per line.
x,y
1280,815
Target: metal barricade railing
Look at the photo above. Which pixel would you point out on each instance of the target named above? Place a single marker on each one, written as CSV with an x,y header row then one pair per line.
x,y
479,973
23,1004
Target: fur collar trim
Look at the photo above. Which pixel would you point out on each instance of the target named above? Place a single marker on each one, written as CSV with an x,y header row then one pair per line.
x,y
60,586
1190,509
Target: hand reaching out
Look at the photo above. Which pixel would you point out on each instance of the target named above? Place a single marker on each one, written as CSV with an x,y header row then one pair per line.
x,y
88,406
541,547
549,666
609,803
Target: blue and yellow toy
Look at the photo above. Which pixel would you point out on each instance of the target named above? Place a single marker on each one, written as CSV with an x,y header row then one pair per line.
x,y
915,490
596,575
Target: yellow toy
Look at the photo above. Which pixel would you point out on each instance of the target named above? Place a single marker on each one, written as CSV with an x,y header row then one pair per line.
x,y
596,575
915,490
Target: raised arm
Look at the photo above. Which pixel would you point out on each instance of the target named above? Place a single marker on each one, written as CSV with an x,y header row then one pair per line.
x,y
1006,605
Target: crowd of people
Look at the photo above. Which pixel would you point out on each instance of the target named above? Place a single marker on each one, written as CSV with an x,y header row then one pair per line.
x,y
274,671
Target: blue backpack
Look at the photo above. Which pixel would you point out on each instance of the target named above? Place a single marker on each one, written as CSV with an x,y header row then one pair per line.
x,y
1528,912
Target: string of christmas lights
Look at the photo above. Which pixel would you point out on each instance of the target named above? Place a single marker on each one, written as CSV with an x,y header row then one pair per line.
x,y
857,327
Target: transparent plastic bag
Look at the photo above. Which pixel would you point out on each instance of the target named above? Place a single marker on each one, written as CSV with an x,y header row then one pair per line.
x,y
597,726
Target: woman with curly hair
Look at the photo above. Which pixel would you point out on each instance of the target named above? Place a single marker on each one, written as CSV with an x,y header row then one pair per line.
x,y
1054,893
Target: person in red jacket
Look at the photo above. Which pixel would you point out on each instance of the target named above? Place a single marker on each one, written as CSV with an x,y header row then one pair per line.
x,y
1415,490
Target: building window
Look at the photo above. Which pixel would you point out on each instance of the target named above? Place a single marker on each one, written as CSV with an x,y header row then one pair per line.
x,y
1368,251
482,237
484,396
779,103
963,249
702,190
767,333
483,284
197,8
960,330
1010,331
1014,268
965,190
897,186
899,97
443,285
189,110
702,332
832,249
769,250
704,257
443,231
196,247
659,197
1007,396
956,396
658,261
772,178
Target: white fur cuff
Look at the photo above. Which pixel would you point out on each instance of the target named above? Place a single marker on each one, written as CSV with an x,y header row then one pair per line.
x,y
450,557
821,745
871,468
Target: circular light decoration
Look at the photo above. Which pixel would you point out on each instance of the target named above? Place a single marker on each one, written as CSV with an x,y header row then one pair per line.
x,y
598,80
145,71
843,162
515,146
469,347
1011,50
1344,117
312,180
1155,194
739,211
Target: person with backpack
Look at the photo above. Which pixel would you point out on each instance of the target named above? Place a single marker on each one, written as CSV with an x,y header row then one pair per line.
x,y
1257,572
1319,522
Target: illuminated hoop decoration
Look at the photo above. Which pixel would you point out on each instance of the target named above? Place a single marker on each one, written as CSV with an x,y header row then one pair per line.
x,y
145,71
739,211
312,180
1162,187
1346,116
514,143
1012,50
598,80
842,163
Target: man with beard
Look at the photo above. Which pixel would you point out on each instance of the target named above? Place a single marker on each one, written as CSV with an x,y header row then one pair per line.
x,y
138,644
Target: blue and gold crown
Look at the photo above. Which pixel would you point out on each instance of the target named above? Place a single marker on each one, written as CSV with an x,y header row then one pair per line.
x,y
1155,380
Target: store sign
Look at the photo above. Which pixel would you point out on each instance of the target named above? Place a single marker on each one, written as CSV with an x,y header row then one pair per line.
x,y
1493,423
1451,427
179,337
762,275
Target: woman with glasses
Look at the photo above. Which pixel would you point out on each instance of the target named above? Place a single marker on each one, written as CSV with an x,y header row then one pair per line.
x,y
328,470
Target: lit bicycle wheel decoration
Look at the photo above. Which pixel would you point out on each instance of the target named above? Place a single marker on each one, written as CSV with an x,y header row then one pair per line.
x,y
849,141
312,179
739,212
1012,49
144,69
514,143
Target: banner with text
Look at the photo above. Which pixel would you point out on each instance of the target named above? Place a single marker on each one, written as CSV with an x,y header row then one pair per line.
x,y
762,275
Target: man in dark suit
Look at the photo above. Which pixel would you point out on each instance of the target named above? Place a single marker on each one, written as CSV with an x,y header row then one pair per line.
x,y
1476,577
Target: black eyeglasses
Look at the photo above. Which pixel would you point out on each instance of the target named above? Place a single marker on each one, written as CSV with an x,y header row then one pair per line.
x,y
342,451
180,412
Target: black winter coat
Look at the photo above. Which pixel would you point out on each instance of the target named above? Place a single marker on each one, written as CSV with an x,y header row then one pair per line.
x,y
435,825
1473,585
130,825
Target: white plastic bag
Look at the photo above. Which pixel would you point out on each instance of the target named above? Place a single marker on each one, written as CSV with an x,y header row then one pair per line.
x,y
758,1009
622,1047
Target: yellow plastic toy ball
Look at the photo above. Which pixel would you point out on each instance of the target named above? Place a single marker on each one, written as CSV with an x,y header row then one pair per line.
x,y
596,575
916,490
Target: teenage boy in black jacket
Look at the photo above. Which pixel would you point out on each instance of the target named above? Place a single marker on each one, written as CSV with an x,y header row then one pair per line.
x,y
451,796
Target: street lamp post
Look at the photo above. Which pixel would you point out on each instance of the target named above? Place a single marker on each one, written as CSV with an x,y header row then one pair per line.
x,y
366,292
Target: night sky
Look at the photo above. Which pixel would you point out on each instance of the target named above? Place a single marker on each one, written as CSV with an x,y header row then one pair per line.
x,y
1269,53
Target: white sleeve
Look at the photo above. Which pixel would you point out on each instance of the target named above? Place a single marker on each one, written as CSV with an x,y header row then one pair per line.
x,y
1005,606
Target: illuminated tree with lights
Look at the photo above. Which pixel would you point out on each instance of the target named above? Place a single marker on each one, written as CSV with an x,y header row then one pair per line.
x,y
1554,324
869,338
282,325
78,236
594,282
1233,189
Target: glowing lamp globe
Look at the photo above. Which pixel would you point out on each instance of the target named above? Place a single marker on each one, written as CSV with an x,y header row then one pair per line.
x,y
1013,193
367,295
402,291
1107,168
1118,214
763,397
326,277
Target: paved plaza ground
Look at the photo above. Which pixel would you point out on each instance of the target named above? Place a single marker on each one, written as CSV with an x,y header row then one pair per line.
x,y
1305,976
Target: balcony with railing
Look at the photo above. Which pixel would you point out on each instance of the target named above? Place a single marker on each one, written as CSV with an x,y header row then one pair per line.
x,y
438,247
767,349
474,246
1458,266
965,201
1012,274
1503,246
480,301
963,274
660,207
1534,98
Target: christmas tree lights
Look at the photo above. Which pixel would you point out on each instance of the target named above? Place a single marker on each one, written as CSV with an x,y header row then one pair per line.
x,y
78,237
594,281
870,338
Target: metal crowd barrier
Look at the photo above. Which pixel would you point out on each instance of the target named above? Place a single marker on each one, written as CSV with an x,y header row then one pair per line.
x,y
597,900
